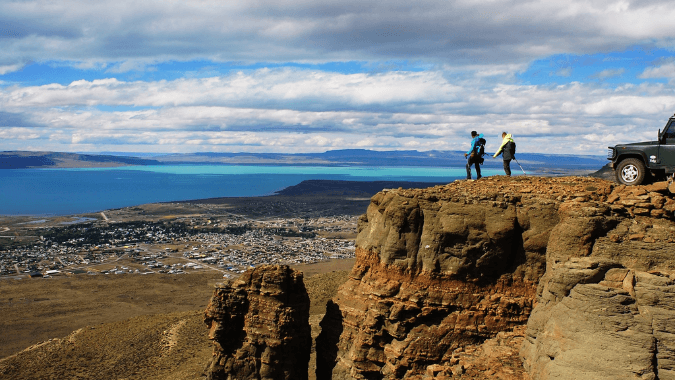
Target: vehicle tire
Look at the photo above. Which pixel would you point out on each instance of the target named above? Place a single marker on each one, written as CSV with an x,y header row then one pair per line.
x,y
631,171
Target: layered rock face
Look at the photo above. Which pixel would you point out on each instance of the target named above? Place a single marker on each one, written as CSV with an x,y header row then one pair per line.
x,y
260,326
606,305
447,267
600,320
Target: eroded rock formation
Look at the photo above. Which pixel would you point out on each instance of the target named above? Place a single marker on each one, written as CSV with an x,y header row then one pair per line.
x,y
449,267
260,326
600,320
605,304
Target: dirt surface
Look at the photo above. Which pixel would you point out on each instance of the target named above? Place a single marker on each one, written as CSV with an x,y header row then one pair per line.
x,y
124,326
163,346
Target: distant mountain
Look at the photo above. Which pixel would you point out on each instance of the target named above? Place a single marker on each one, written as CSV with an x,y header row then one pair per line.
x,y
535,162
363,157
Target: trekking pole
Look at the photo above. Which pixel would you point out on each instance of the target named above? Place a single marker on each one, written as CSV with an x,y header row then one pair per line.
x,y
521,167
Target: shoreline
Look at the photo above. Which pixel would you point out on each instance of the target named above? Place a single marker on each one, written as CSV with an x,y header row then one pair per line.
x,y
339,189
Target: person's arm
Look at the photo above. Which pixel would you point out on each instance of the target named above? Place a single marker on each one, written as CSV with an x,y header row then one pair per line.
x,y
501,148
473,146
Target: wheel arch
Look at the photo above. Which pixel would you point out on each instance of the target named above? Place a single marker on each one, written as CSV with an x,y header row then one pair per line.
x,y
639,155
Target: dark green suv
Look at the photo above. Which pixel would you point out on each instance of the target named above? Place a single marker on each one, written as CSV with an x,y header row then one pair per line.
x,y
634,163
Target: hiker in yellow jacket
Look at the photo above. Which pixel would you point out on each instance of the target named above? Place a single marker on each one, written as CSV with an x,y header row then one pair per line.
x,y
508,151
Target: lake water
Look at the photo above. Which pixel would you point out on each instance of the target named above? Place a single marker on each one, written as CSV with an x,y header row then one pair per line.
x,y
73,191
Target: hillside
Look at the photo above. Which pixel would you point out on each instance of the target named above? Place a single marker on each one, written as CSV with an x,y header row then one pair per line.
x,y
24,160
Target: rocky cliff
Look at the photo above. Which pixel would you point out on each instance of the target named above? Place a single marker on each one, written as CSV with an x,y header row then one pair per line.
x,y
606,304
259,326
444,269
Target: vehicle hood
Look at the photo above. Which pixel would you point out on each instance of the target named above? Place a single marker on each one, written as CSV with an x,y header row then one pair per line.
x,y
637,144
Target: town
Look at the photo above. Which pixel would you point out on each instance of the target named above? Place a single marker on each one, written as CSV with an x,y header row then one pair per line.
x,y
227,243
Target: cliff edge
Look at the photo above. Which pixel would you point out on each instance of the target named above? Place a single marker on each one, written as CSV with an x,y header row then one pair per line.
x,y
453,269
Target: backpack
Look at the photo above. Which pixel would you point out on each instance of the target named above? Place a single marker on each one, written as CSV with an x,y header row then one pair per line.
x,y
509,150
481,150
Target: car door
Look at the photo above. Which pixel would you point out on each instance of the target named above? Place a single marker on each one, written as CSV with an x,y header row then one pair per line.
x,y
667,148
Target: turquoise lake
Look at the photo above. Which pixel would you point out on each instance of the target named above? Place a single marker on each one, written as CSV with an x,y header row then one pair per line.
x,y
73,191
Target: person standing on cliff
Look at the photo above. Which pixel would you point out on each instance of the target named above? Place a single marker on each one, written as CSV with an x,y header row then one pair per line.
x,y
508,151
475,154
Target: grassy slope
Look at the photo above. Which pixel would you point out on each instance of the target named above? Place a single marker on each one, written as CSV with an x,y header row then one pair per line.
x,y
113,330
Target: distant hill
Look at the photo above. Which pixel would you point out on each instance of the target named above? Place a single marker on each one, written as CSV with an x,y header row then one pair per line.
x,y
605,172
351,188
23,160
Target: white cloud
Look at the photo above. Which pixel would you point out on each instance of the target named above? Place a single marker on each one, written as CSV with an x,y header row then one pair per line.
x,y
609,73
304,110
130,65
284,87
18,134
564,72
666,70
4,69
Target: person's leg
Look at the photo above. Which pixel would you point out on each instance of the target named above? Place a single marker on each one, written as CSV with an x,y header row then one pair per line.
x,y
468,168
478,176
507,167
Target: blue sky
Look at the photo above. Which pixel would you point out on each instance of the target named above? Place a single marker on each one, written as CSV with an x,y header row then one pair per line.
x,y
310,76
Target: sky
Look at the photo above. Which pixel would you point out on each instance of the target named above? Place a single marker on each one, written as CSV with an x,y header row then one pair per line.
x,y
289,76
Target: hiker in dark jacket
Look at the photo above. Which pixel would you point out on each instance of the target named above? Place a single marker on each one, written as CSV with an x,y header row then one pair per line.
x,y
507,150
474,156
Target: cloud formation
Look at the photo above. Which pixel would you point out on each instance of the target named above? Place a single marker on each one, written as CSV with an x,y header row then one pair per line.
x,y
301,110
666,70
430,71
465,31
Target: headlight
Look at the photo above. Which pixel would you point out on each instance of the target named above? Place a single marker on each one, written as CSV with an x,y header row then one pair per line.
x,y
610,153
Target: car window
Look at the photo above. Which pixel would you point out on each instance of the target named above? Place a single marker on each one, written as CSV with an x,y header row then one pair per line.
x,y
670,133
